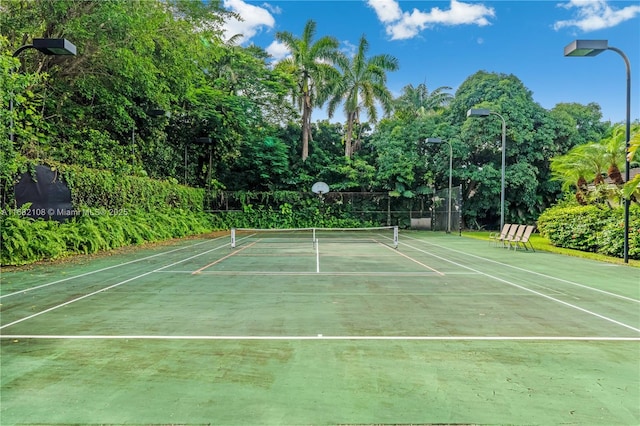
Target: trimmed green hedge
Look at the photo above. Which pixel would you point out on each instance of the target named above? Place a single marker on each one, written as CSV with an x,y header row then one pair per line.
x,y
104,189
591,228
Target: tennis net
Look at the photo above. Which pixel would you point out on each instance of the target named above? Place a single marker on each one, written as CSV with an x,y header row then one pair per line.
x,y
387,235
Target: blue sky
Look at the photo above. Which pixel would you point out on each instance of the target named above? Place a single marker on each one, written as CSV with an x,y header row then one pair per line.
x,y
442,43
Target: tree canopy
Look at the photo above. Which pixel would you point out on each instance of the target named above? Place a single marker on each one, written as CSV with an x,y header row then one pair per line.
x,y
95,109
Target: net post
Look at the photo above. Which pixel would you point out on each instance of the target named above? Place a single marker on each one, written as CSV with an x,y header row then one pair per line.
x,y
233,237
313,237
395,236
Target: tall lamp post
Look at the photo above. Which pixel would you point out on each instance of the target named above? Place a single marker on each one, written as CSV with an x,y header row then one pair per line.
x,y
47,46
593,48
438,140
483,112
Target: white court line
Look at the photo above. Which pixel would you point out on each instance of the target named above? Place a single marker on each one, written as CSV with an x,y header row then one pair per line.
x,y
608,293
286,273
233,253
105,269
323,337
109,287
412,259
546,296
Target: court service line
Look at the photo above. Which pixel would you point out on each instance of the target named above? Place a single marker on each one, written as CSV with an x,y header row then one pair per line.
x,y
105,269
323,337
546,296
294,273
233,253
412,259
608,293
108,288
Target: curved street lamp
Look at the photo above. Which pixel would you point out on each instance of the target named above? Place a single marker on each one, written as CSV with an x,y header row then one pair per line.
x,y
593,48
483,112
438,140
47,46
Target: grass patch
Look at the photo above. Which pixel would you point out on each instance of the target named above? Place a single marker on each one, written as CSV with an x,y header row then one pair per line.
x,y
542,244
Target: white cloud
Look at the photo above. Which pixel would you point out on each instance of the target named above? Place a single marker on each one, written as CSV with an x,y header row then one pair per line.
x,y
254,19
278,51
403,25
387,10
592,15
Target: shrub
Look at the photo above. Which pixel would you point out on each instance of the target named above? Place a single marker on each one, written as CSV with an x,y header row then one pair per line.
x,y
591,228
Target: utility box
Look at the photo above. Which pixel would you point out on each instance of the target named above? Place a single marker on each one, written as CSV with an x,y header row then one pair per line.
x,y
421,223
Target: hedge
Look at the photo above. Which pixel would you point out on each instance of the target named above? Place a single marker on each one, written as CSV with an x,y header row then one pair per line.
x,y
592,228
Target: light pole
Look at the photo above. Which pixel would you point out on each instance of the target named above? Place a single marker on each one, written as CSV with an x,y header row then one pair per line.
x,y
593,48
47,46
483,112
438,140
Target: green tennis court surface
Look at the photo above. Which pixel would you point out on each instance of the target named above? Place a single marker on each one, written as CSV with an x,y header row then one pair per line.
x,y
336,329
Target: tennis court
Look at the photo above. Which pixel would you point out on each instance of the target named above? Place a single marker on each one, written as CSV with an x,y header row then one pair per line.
x,y
322,327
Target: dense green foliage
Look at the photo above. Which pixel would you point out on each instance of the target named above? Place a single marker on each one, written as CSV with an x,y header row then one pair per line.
x,y
93,110
25,240
91,188
591,228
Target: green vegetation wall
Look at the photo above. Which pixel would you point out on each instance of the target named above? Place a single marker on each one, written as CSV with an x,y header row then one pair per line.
x,y
111,211
591,228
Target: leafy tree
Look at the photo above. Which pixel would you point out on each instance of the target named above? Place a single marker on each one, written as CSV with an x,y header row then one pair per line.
x,y
308,65
361,84
530,142
405,164
577,124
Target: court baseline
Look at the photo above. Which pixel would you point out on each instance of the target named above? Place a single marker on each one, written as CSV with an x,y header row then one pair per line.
x,y
323,337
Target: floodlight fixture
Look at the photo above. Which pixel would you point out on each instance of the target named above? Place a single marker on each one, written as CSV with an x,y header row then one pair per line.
x,y
586,47
49,46
478,112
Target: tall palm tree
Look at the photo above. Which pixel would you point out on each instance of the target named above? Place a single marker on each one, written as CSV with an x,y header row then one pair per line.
x,y
362,83
418,101
310,64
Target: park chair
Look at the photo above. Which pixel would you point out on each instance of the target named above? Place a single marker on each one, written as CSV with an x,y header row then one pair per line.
x,y
514,234
510,234
496,237
524,238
